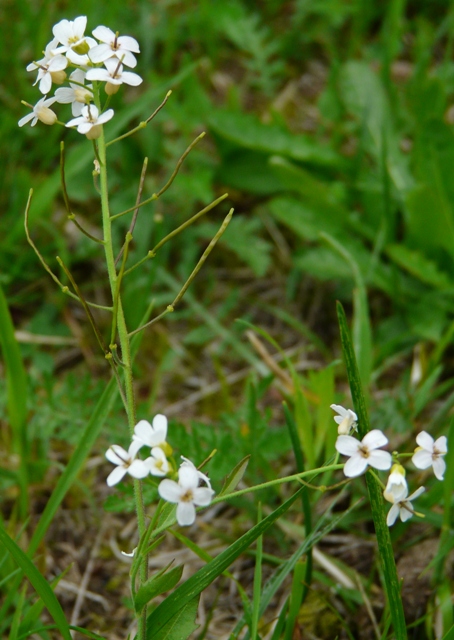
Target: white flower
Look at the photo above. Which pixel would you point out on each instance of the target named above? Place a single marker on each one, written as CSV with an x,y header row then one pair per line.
x,y
70,34
50,68
202,476
157,463
186,493
41,112
429,453
402,507
114,75
76,94
114,45
346,419
149,435
89,120
126,462
396,487
364,453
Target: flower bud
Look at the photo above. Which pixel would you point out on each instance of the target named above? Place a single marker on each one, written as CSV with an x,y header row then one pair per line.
x,y
396,487
111,89
82,48
46,115
95,132
58,77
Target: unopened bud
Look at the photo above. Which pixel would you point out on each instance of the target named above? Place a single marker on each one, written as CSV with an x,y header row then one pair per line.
x,y
111,89
95,132
58,77
47,116
82,48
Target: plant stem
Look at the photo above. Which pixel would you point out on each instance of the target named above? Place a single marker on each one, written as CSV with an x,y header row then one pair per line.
x,y
125,348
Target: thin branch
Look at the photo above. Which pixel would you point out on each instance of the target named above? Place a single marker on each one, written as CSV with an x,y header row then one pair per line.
x,y
195,271
118,286
155,196
142,125
136,212
71,215
63,287
172,234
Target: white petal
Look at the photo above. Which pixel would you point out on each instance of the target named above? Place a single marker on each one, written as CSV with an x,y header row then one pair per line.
x,y
58,63
355,466
392,515
134,448
133,79
80,24
84,127
347,445
105,117
138,469
116,454
188,477
381,460
104,34
375,439
45,84
339,409
127,58
100,53
98,74
143,430
128,43
441,445
416,493
170,490
26,119
405,513
202,496
185,514
422,459
160,425
65,95
425,441
75,122
115,476
439,466
62,31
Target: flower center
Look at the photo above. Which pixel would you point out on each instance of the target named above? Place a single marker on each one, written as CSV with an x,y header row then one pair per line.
x,y
188,496
364,451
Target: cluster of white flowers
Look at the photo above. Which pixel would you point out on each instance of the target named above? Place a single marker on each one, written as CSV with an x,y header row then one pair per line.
x,y
186,493
100,60
368,452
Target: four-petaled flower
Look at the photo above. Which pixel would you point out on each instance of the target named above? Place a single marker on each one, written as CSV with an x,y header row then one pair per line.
x,y
346,419
151,435
41,112
186,493
402,506
157,463
429,453
89,120
364,453
77,95
50,68
126,462
114,76
114,45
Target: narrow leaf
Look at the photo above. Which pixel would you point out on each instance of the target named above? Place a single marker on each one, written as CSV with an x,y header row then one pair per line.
x,y
234,477
181,625
155,586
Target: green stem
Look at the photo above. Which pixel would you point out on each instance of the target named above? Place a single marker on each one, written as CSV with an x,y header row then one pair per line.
x,y
124,343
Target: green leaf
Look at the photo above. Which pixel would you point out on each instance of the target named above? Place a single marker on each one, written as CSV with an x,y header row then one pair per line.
x,y
186,592
39,583
418,265
235,476
162,582
385,550
181,625
245,130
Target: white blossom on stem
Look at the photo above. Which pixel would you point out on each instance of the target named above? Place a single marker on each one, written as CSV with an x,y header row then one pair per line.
x,y
430,452
157,462
365,453
40,112
186,494
114,45
402,506
202,476
126,462
152,435
346,419
50,68
89,121
396,486
114,76
77,95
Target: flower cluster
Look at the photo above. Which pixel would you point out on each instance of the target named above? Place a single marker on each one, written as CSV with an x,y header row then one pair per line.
x,y
368,452
91,60
186,493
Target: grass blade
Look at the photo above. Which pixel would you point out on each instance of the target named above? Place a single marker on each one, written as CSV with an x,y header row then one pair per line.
x,y
385,550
